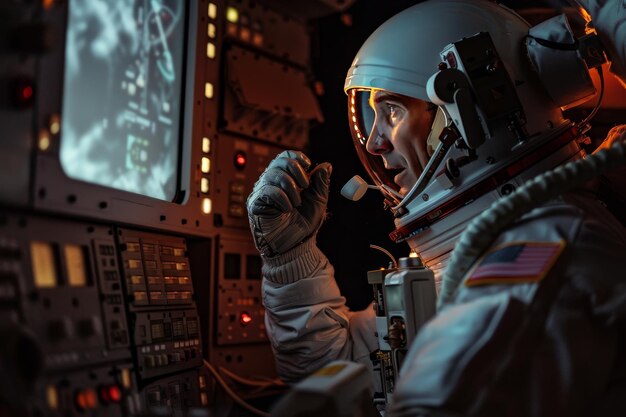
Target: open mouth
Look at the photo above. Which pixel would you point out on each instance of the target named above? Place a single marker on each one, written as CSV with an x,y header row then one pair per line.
x,y
395,172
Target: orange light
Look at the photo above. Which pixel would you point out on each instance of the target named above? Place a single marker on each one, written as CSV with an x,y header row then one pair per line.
x,y
86,399
244,34
245,318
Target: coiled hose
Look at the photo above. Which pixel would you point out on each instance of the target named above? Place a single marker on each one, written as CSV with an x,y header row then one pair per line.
x,y
484,229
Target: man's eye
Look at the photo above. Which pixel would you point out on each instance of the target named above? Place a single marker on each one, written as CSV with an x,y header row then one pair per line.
x,y
393,111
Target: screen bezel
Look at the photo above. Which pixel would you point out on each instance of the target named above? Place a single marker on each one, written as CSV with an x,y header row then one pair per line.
x,y
53,190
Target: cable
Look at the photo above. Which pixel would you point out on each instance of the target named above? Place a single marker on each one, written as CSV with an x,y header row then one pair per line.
x,y
386,252
599,102
265,382
484,229
232,393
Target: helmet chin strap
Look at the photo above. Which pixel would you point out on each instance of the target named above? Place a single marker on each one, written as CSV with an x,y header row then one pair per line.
x,y
447,136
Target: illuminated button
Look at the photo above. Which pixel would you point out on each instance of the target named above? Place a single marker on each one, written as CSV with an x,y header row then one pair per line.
x,y
55,124
205,165
24,92
86,399
43,141
232,14
204,185
134,263
210,50
115,393
212,10
110,394
257,39
206,205
211,30
126,380
231,29
206,145
201,381
208,90
244,34
240,160
52,396
245,318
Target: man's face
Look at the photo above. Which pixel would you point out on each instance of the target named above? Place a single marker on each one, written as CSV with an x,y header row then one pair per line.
x,y
399,135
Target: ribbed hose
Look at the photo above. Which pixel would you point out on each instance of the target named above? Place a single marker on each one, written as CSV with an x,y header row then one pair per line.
x,y
484,229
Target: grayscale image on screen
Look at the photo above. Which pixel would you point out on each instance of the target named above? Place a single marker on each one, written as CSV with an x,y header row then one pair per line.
x,y
122,94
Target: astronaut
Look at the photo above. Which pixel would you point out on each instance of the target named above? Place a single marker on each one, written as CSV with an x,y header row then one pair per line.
x,y
455,112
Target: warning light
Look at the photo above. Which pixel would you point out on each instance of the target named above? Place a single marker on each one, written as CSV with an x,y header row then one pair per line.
x,y
240,160
110,394
245,319
23,92
86,399
26,92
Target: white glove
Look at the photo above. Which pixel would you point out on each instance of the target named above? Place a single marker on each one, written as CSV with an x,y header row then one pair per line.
x,y
288,204
609,19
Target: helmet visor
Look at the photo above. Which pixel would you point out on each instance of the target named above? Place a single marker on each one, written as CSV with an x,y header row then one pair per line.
x,y
362,117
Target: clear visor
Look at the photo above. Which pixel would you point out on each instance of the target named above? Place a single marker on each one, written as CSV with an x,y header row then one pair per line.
x,y
362,118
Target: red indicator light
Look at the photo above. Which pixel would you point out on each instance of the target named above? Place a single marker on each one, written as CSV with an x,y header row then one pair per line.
x,y
115,394
245,318
110,394
240,160
27,92
23,92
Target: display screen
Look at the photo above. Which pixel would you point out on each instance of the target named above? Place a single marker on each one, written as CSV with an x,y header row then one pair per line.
x,y
122,94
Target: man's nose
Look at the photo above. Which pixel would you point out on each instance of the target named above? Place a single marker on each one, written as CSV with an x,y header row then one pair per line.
x,y
377,144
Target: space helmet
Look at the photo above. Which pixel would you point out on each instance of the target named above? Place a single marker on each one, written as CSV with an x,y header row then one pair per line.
x,y
497,124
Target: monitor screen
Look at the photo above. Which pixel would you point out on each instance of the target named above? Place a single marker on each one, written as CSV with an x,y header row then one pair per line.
x,y
122,94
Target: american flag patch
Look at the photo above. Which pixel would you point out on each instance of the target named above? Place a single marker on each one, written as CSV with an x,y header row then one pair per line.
x,y
515,263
